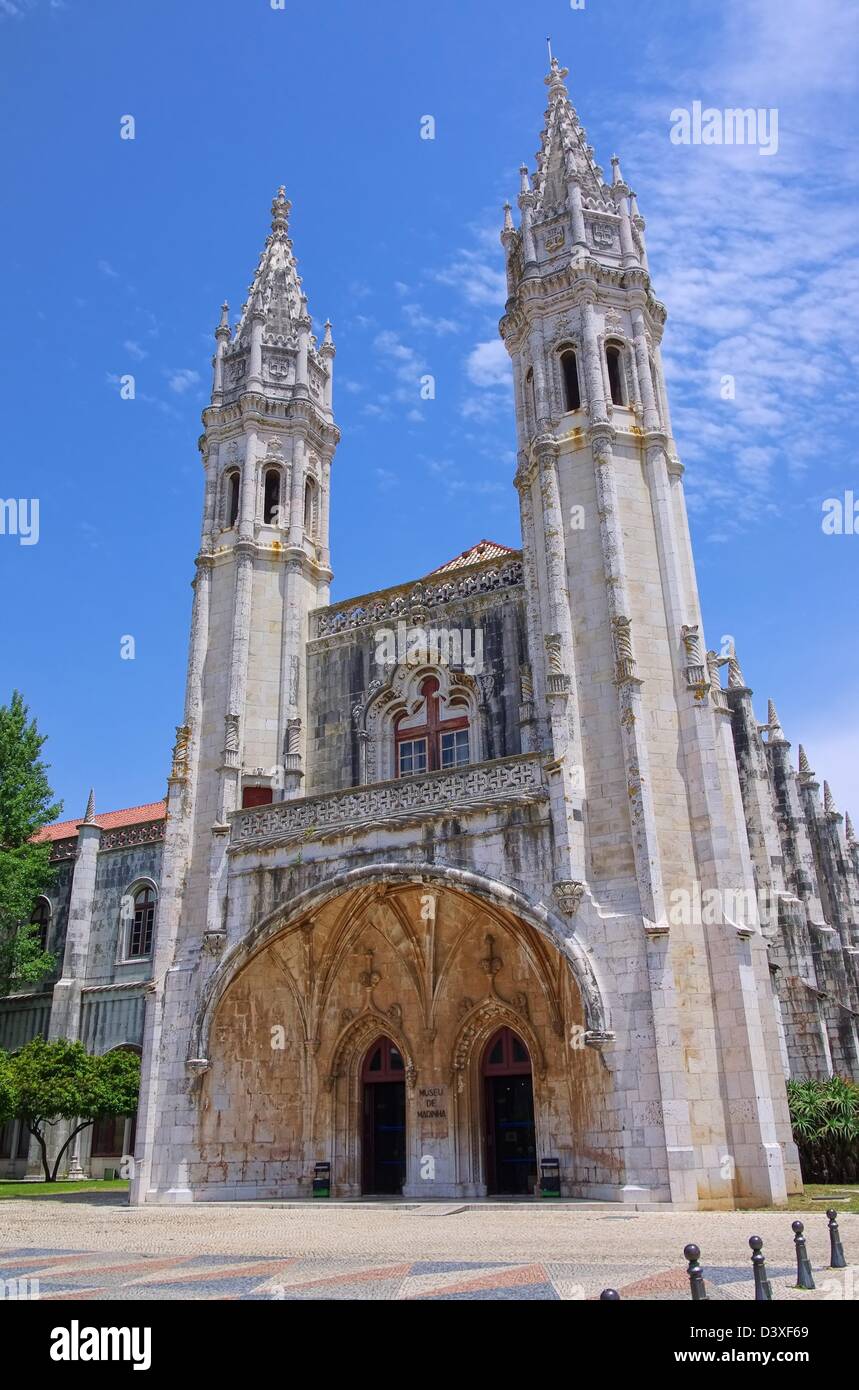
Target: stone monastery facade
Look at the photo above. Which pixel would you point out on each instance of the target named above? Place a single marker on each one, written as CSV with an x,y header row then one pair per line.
x,y
433,921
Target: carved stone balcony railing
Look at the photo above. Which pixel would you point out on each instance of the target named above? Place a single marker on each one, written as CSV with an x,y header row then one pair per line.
x,y
500,782
390,605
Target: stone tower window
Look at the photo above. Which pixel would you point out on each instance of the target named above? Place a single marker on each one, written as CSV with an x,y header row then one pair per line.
x,y
271,497
233,483
614,363
41,919
570,374
311,506
530,395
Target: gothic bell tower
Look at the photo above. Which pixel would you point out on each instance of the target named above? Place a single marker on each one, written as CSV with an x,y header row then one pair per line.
x,y
268,443
646,806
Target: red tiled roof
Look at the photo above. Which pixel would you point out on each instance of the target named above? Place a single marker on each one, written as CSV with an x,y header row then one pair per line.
x,y
484,550
108,820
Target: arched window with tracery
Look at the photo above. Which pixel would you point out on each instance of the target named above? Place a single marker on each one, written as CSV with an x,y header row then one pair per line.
x,y
570,380
435,735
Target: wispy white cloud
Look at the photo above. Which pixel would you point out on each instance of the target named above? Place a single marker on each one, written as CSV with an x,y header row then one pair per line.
x,y
181,379
756,259
418,319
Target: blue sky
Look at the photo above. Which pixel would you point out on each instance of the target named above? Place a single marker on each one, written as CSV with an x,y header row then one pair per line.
x,y
118,254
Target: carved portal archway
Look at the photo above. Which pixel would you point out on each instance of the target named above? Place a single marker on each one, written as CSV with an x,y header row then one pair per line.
x,y
435,968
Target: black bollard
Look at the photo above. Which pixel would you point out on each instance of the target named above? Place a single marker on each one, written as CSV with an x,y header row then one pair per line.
x,y
696,1274
763,1292
836,1250
610,1295
804,1276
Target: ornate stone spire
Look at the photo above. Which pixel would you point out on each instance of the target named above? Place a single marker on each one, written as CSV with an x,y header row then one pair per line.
x,y
848,827
774,725
89,814
564,152
805,768
272,351
275,291
829,807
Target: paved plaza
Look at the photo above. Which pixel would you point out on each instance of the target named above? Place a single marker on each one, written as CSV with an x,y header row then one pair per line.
x,y
99,1248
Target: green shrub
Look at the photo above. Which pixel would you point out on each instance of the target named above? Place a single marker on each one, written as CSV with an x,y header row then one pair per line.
x,y
825,1120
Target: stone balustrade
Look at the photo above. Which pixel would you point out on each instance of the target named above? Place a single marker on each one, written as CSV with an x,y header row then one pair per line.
x,y
501,781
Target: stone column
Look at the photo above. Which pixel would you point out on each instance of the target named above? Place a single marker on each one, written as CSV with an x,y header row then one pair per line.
x,y
524,480
157,1060
65,1004
296,496
566,774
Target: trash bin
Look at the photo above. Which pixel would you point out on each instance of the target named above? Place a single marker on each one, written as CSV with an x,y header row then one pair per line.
x,y
322,1180
550,1177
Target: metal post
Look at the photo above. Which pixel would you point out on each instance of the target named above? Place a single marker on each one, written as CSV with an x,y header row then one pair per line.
x,y
696,1274
804,1276
763,1292
836,1256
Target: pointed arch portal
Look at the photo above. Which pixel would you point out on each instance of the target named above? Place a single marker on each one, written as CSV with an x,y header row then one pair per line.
x,y
384,1119
420,1037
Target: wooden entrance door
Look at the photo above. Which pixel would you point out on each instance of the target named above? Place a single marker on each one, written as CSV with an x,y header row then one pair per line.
x,y
384,1114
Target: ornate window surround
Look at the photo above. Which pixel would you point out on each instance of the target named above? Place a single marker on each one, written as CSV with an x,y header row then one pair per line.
x,y
398,694
563,346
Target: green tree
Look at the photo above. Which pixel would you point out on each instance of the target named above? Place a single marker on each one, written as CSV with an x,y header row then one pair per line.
x,y
26,804
60,1080
8,1093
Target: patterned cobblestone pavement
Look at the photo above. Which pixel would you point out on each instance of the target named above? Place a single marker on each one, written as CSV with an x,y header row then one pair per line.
x,y
101,1249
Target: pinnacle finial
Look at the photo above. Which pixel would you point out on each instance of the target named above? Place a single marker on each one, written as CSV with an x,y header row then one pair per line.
x,y
89,814
555,79
805,768
508,218
223,328
280,210
327,340
736,679
829,806
774,725
848,827
616,175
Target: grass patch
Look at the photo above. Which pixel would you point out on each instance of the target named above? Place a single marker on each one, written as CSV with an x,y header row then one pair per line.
x,y
52,1189
818,1196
